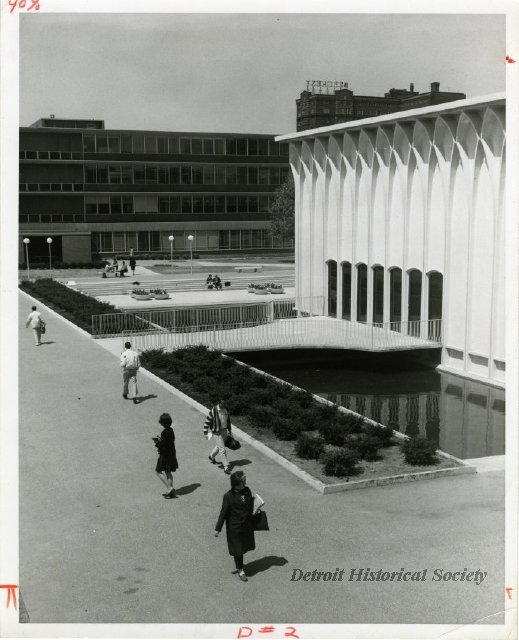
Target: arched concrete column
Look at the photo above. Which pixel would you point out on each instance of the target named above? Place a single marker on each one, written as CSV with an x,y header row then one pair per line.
x,y
422,191
320,215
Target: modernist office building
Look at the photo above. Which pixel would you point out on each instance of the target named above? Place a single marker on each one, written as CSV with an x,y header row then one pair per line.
x,y
327,102
99,191
400,219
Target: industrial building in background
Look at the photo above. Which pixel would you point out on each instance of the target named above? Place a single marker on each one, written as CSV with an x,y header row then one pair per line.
x,y
98,192
327,102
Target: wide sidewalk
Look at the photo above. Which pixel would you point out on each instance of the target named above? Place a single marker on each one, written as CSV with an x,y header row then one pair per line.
x,y
98,542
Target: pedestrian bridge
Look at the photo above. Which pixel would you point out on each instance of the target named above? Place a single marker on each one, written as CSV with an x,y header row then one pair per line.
x,y
318,332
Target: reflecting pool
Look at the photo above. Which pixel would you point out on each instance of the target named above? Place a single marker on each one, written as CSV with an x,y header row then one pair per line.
x,y
402,390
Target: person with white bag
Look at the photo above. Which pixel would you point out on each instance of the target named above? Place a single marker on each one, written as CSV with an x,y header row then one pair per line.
x,y
218,426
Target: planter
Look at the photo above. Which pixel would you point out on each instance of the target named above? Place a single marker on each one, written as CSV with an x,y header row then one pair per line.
x,y
140,296
280,290
251,289
261,292
161,296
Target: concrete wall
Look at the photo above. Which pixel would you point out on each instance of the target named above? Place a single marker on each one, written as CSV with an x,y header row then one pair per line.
x,y
423,192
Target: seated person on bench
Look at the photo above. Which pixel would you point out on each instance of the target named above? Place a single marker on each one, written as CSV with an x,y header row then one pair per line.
x,y
108,268
217,282
123,270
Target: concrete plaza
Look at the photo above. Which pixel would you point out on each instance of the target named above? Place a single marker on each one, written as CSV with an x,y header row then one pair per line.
x,y
99,544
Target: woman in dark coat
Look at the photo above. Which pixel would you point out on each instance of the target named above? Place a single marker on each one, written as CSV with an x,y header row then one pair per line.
x,y
167,462
237,508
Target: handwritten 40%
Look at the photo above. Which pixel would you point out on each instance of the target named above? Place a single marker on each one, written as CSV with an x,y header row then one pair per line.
x,y
24,4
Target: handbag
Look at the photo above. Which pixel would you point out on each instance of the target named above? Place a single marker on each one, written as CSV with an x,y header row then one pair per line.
x,y
231,443
42,327
260,521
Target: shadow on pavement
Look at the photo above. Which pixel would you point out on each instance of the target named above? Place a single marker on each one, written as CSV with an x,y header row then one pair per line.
x,y
239,463
148,397
263,564
189,488
47,342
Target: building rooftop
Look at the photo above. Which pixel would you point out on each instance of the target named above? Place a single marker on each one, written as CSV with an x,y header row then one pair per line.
x,y
398,116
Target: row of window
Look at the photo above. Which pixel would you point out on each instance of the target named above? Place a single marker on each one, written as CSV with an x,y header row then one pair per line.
x,y
43,218
123,241
184,174
176,204
53,186
50,155
168,144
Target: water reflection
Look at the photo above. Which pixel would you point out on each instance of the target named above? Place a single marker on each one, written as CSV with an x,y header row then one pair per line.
x,y
462,417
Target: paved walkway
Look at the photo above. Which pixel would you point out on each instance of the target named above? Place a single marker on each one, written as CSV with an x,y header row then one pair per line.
x,y
99,544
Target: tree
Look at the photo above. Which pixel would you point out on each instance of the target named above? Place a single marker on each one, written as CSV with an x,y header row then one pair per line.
x,y
282,211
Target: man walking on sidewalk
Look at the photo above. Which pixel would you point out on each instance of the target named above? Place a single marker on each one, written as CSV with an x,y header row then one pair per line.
x,y
218,426
35,320
130,362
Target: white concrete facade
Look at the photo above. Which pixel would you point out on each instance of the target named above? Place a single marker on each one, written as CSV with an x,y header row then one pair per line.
x,y
407,202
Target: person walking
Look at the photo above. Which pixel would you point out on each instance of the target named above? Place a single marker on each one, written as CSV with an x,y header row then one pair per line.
x,y
35,321
130,362
133,264
218,426
236,512
167,462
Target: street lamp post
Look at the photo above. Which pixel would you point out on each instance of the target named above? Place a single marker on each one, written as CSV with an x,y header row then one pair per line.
x,y
191,238
26,242
49,242
171,238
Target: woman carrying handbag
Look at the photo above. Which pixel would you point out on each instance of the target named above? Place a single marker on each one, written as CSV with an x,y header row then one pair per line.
x,y
237,513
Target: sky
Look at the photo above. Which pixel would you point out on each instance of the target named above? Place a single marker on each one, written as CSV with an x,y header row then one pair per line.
x,y
241,73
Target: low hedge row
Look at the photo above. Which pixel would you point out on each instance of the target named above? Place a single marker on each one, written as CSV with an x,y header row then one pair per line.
x,y
56,264
75,306
78,307
319,431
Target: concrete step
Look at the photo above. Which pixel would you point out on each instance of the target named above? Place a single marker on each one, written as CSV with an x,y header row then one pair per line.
x,y
120,286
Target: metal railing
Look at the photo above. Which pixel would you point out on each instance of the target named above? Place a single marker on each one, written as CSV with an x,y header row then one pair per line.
x,y
309,332
203,318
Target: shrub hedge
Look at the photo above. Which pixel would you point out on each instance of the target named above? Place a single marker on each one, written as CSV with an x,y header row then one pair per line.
x,y
320,430
73,305
309,446
78,307
419,451
340,461
56,264
286,428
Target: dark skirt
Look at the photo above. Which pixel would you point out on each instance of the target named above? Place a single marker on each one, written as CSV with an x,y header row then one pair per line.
x,y
166,463
239,542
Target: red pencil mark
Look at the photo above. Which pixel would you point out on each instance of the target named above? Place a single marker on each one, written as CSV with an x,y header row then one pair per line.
x,y
292,634
510,60
243,635
11,593
509,592
266,629
23,4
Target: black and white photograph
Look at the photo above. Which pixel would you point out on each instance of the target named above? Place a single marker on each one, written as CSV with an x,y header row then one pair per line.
x,y
258,326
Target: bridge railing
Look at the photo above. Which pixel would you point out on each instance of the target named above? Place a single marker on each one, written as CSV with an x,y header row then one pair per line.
x,y
292,332
204,318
